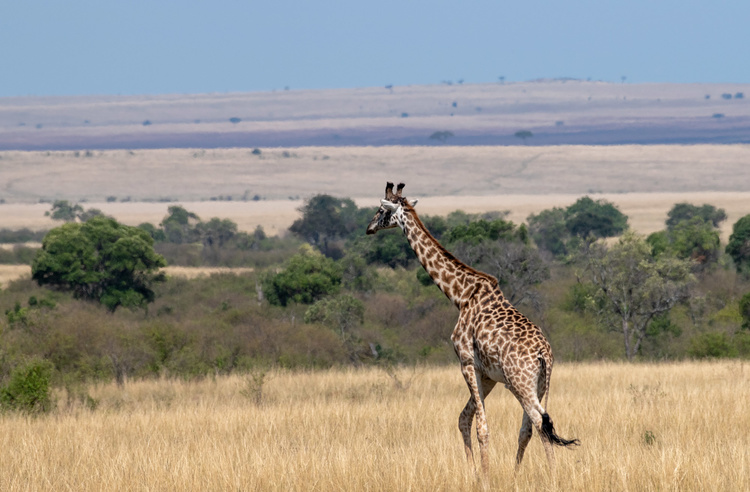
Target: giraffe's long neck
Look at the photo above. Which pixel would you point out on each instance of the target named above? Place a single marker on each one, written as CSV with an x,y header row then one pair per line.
x,y
457,280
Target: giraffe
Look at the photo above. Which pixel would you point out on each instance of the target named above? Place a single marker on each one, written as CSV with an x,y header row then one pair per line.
x,y
494,342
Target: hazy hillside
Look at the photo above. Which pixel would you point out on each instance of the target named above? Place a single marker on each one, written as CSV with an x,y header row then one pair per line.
x,y
554,111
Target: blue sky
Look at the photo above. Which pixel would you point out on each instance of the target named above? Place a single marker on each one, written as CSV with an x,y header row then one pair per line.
x,y
74,47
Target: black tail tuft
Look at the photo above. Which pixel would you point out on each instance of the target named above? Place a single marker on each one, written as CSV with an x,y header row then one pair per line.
x,y
548,431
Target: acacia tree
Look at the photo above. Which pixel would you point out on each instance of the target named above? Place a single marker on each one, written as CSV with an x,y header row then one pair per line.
x,y
599,218
65,211
100,260
327,219
633,286
517,266
523,135
560,231
180,225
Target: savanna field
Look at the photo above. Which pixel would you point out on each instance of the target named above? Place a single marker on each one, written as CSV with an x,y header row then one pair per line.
x,y
218,385
671,426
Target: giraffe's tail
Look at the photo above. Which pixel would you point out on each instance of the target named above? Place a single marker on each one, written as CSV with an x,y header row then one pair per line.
x,y
548,429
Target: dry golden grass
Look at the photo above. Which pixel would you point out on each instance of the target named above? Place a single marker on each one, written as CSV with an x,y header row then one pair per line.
x,y
12,272
194,272
679,426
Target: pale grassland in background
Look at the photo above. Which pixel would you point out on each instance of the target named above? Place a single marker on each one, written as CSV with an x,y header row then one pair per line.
x,y
677,426
645,181
194,175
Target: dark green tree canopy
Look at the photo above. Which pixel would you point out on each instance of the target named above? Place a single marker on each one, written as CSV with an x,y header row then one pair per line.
x,y
739,244
686,211
560,230
599,218
549,232
691,233
100,260
480,230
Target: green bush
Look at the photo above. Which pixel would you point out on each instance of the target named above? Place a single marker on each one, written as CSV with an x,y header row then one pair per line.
x,y
28,388
745,311
307,277
711,345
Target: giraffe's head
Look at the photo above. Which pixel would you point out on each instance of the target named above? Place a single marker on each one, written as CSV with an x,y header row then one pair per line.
x,y
391,211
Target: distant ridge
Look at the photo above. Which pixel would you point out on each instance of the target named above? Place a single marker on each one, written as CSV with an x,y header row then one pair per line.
x,y
555,111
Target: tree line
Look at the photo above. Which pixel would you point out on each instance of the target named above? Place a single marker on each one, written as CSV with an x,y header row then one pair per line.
x,y
98,305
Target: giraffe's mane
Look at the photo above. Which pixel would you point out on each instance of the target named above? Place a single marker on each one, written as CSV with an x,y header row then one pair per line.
x,y
412,211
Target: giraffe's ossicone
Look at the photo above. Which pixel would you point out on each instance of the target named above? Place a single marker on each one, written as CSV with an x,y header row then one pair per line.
x,y
494,342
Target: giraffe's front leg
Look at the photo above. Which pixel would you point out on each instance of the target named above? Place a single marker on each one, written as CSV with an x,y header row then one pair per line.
x,y
483,433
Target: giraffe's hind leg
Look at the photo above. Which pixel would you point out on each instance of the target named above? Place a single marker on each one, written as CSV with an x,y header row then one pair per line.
x,y
528,392
524,436
467,417
527,427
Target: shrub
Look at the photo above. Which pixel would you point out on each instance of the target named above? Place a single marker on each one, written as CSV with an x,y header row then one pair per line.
x,y
711,345
28,388
308,276
340,313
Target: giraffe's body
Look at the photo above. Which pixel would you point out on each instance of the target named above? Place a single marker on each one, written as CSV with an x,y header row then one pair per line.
x,y
494,342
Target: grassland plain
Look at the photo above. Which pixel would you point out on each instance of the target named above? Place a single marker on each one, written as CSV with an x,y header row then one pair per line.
x,y
677,426
134,187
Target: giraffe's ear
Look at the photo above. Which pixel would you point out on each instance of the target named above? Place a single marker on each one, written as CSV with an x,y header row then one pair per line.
x,y
414,202
389,205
